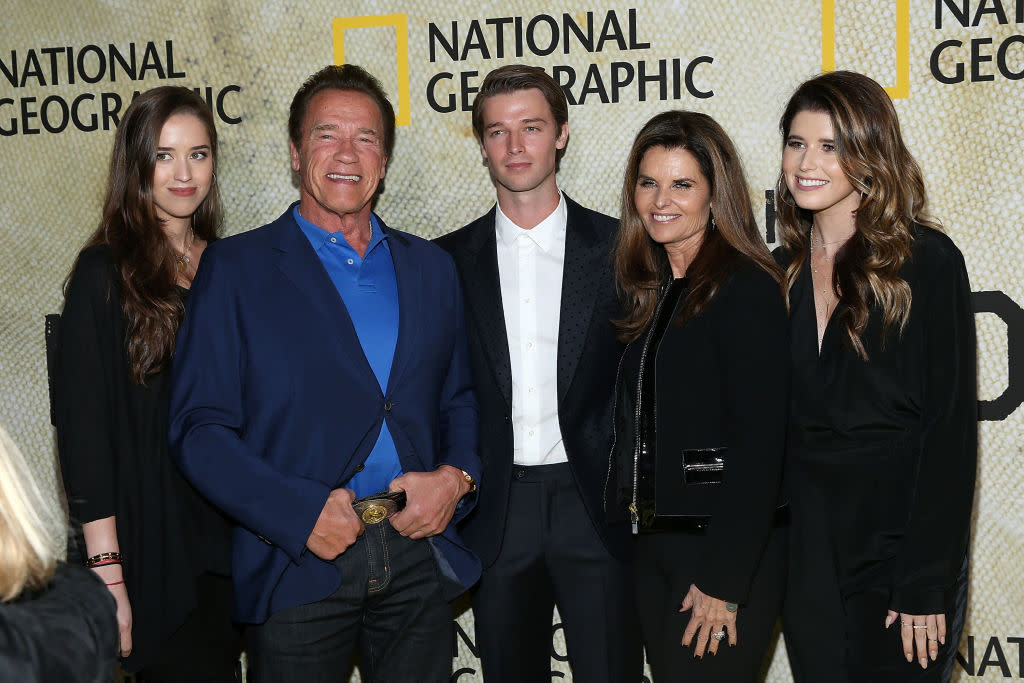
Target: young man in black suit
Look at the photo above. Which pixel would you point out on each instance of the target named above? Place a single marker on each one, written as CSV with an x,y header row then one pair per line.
x,y
544,367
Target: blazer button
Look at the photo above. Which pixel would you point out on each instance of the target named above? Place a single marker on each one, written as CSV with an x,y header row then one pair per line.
x,y
361,468
508,418
387,406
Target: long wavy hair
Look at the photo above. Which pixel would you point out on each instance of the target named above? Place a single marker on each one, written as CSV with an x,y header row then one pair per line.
x,y
872,154
146,261
31,526
641,265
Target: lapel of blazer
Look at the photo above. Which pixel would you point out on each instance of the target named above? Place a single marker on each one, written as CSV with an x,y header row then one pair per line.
x,y
408,273
583,269
299,263
483,299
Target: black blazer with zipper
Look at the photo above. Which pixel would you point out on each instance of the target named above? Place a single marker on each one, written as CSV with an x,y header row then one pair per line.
x,y
722,381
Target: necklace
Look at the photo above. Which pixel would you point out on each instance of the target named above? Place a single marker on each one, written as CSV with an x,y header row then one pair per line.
x,y
826,295
182,258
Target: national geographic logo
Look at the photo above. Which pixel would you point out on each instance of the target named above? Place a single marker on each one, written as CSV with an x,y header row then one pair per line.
x,y
517,37
983,58
901,89
36,71
399,23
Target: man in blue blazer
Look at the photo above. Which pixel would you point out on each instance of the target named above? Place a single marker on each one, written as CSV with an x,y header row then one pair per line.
x,y
540,298
323,359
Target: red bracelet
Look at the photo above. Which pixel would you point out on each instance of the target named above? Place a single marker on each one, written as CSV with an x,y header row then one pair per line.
x,y
116,583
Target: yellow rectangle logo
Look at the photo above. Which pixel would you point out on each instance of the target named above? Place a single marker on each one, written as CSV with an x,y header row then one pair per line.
x,y
398,21
828,45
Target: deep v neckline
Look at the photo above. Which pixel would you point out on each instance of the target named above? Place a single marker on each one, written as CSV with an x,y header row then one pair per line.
x,y
819,348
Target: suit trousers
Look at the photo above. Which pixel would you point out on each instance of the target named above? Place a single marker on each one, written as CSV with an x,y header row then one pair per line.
x,y
390,605
551,554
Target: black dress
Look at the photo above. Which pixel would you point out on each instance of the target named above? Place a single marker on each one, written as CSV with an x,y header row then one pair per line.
x,y
114,452
65,632
880,474
718,381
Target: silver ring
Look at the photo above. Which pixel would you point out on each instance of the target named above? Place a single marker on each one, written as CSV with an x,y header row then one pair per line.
x,y
718,635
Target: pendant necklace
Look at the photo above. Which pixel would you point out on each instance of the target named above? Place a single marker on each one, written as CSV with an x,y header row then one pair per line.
x,y
182,258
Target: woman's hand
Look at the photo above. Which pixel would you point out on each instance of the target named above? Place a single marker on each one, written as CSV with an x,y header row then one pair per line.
x,y
709,616
124,617
921,632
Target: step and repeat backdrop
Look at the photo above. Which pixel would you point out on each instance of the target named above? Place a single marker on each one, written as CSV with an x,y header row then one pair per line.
x,y
954,68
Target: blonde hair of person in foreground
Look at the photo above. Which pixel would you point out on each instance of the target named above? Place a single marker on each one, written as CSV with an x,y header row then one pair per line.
x,y
30,523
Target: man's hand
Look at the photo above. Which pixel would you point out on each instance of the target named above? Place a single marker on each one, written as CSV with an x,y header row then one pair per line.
x,y
337,528
431,498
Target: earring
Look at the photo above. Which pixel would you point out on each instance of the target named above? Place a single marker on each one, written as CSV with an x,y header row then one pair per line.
x,y
713,225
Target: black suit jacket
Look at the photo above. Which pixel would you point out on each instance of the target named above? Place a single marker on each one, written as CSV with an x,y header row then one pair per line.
x,y
588,354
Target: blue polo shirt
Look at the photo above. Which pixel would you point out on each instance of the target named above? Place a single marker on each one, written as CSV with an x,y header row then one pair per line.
x,y
369,289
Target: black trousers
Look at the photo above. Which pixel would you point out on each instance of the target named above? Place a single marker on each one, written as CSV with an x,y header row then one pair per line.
x,y
664,564
835,634
204,649
551,555
390,604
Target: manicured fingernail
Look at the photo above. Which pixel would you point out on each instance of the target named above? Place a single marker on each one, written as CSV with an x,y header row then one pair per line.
x,y
942,640
934,654
888,621
924,662
910,657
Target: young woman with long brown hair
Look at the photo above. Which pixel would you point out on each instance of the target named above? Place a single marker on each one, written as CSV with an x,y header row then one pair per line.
x,y
883,415
700,410
161,549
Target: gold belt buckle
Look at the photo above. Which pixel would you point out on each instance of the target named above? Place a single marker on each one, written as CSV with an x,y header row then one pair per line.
x,y
374,513
378,507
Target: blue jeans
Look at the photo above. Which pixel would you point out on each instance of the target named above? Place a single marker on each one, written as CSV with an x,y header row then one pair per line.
x,y
390,604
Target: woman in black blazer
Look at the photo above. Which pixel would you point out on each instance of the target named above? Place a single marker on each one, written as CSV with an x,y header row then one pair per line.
x,y
700,404
883,421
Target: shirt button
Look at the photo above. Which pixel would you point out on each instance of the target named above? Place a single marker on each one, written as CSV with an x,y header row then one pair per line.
x,y
529,345
526,300
531,432
334,240
350,262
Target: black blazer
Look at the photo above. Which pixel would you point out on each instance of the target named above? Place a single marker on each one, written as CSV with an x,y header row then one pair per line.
x,y
588,354
721,382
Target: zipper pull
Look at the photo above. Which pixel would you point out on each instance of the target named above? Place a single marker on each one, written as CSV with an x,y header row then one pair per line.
x,y
634,518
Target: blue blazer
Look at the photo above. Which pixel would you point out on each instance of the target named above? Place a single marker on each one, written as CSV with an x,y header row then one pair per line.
x,y
274,404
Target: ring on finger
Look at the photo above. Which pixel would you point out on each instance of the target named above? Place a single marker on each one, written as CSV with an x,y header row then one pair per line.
x,y
718,635
918,626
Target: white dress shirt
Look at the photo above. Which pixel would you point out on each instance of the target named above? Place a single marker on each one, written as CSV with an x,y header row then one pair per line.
x,y
530,270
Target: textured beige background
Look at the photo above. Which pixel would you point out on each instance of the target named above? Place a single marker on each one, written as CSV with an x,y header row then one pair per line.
x,y
968,138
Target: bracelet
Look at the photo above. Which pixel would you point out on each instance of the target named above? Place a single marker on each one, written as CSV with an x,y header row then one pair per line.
x,y
95,560
94,565
469,480
116,583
